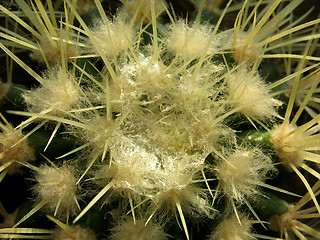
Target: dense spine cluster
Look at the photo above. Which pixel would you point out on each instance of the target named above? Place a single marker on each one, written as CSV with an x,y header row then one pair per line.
x,y
141,124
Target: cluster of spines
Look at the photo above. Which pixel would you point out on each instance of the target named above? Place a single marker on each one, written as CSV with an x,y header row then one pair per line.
x,y
156,110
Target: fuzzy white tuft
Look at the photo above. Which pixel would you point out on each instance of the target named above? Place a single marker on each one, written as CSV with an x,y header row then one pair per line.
x,y
54,51
99,132
57,187
231,229
241,173
284,142
58,95
191,42
12,152
175,187
130,167
247,91
175,108
244,51
113,37
130,230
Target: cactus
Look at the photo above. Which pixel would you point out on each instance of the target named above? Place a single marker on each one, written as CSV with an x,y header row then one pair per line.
x,y
147,119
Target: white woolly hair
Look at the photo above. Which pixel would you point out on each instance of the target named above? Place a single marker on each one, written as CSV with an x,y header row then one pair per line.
x,y
173,107
231,229
128,229
12,153
282,140
130,166
241,172
191,42
185,133
176,189
247,91
54,54
99,132
58,94
243,51
113,36
57,187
